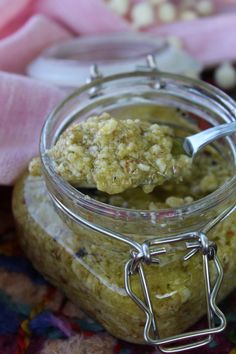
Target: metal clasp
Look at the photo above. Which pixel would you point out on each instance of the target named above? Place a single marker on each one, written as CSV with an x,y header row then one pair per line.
x,y
95,74
194,243
151,65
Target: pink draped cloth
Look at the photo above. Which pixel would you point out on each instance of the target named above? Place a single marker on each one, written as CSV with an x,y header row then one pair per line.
x,y
29,26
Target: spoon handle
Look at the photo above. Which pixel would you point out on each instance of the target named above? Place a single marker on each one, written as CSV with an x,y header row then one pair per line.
x,y
192,144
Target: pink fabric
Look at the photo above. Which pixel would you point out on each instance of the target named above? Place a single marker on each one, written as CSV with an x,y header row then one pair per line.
x,y
83,16
24,105
9,10
13,15
210,40
29,26
38,33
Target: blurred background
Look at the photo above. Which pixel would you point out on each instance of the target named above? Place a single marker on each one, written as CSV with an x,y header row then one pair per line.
x,y
46,51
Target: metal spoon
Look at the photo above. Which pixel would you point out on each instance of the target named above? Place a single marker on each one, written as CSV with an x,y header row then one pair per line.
x,y
194,143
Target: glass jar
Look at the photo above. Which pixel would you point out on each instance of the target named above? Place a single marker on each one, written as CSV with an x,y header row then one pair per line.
x,y
146,276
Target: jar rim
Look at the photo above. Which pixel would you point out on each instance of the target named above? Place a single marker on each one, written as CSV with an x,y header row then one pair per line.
x,y
202,204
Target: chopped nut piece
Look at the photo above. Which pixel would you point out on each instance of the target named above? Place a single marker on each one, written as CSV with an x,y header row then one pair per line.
x,y
143,167
175,202
35,167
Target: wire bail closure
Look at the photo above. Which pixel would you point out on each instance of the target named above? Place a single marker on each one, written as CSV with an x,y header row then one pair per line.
x,y
96,76
196,242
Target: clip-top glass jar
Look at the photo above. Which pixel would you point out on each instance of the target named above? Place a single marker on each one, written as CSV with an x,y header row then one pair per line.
x,y
145,275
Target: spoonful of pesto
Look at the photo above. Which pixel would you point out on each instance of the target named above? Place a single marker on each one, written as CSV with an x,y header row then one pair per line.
x,y
114,155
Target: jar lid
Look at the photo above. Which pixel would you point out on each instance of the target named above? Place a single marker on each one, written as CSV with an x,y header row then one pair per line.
x,y
68,63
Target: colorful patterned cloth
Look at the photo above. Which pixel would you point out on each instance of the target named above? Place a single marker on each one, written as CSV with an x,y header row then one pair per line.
x,y
35,318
